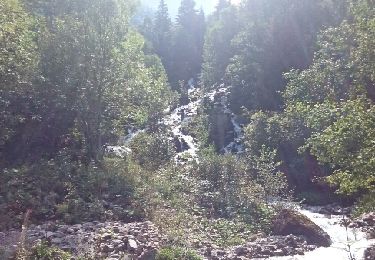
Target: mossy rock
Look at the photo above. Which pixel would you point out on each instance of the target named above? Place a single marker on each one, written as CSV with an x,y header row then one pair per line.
x,y
291,222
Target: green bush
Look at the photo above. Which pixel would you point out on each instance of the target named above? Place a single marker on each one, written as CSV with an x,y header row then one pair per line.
x,y
45,252
177,253
232,187
152,150
365,204
67,189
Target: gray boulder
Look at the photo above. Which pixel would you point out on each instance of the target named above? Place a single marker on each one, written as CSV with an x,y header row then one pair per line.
x,y
292,222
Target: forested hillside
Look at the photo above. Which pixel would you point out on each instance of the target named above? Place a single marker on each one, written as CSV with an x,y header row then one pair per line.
x,y
248,132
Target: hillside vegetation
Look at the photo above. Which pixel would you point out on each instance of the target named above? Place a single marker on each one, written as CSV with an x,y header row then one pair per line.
x,y
288,85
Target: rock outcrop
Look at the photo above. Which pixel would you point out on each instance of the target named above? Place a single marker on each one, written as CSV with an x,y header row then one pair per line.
x,y
292,222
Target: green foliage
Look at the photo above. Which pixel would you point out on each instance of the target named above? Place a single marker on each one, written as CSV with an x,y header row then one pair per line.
x,y
225,185
347,144
152,150
284,133
274,37
232,188
267,173
217,53
179,45
230,232
65,189
365,204
74,75
177,253
334,99
162,35
18,50
188,40
198,128
18,62
45,252
145,94
93,77
217,199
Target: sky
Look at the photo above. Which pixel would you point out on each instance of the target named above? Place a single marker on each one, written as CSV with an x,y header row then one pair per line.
x,y
173,5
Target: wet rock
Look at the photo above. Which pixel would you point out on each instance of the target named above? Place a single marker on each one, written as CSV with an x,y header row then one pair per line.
x,y
292,222
370,253
180,144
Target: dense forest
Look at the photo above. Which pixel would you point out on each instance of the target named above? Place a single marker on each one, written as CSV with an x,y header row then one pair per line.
x,y
185,138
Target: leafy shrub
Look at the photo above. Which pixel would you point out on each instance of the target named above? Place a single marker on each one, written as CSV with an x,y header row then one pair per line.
x,y
45,252
365,204
152,150
231,232
232,187
223,182
177,253
198,127
66,189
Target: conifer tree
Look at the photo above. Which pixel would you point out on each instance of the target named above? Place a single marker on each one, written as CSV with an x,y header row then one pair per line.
x,y
163,34
188,43
217,50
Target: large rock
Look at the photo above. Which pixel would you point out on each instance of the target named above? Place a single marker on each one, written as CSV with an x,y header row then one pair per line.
x,y
292,222
370,253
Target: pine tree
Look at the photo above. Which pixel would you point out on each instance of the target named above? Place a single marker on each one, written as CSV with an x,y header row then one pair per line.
x,y
186,13
163,35
188,43
218,51
200,29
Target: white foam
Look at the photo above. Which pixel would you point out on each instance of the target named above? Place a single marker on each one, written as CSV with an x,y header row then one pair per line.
x,y
342,239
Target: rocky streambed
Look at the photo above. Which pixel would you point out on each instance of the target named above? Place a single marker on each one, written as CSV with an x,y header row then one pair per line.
x,y
142,240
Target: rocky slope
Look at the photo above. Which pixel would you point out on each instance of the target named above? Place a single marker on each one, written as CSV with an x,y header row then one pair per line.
x,y
142,240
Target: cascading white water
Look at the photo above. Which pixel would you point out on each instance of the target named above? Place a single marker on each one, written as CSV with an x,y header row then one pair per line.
x,y
175,120
347,243
341,237
182,114
236,146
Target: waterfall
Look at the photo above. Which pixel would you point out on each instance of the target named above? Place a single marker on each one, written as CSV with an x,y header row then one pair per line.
x,y
186,145
342,237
